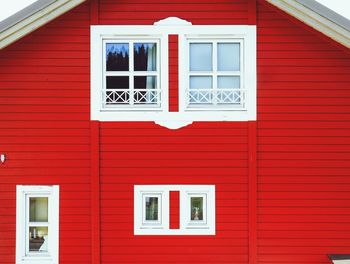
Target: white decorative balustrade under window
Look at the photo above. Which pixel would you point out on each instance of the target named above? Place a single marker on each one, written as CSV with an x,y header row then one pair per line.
x,y
131,97
216,97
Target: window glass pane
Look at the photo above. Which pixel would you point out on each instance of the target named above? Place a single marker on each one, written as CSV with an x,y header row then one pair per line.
x,y
38,211
196,208
201,82
228,56
145,82
151,208
201,56
226,82
117,97
117,82
117,56
145,56
147,95
38,238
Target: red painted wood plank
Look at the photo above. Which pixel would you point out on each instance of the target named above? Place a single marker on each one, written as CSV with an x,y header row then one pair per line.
x,y
174,200
173,74
95,192
252,143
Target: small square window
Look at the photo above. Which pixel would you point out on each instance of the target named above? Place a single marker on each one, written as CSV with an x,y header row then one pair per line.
x,y
198,212
152,213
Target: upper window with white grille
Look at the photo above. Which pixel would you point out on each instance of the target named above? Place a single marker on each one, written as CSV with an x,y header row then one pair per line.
x,y
214,74
131,74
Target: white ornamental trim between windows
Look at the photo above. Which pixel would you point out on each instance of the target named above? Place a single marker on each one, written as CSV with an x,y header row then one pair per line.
x,y
152,213
37,224
230,104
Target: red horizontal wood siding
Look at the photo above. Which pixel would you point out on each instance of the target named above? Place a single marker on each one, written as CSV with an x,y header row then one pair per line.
x,y
144,153
303,143
45,129
303,147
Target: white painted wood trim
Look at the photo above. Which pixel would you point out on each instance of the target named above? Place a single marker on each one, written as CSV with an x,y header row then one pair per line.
x,y
172,21
36,20
342,261
314,20
163,117
21,227
186,228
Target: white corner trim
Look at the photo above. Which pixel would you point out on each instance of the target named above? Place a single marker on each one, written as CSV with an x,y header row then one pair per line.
x,y
172,21
36,20
173,124
342,261
314,20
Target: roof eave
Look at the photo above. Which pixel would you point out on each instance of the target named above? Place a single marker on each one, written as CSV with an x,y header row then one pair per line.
x,y
318,21
35,20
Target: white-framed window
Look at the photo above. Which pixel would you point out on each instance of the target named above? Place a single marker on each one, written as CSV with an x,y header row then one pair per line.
x,y
216,73
37,223
129,76
131,72
152,213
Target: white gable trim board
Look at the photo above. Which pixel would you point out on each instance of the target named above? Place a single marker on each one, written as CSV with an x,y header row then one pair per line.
x,y
30,23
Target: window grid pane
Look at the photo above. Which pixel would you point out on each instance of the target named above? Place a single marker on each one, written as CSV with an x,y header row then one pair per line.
x,y
225,74
137,85
38,239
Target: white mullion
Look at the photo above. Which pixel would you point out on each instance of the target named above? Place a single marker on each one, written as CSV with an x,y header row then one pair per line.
x,y
241,76
214,74
27,208
38,224
131,72
160,95
104,74
145,73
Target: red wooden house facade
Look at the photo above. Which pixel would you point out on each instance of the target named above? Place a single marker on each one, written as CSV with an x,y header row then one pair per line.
x,y
265,178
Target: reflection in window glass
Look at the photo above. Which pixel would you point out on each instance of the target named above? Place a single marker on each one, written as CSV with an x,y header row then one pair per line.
x,y
228,56
196,208
117,82
145,55
38,238
117,56
201,56
151,208
38,209
145,82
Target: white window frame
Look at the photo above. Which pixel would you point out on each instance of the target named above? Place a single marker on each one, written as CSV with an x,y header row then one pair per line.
x,y
23,256
214,73
127,34
131,73
187,226
245,34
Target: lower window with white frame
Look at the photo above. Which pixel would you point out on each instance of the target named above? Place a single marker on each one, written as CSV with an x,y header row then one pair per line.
x,y
152,214
37,222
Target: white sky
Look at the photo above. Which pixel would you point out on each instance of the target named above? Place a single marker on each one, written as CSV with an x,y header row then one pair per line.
x,y
7,8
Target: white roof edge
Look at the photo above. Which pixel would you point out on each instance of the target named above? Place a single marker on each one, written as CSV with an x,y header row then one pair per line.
x,y
32,17
318,17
